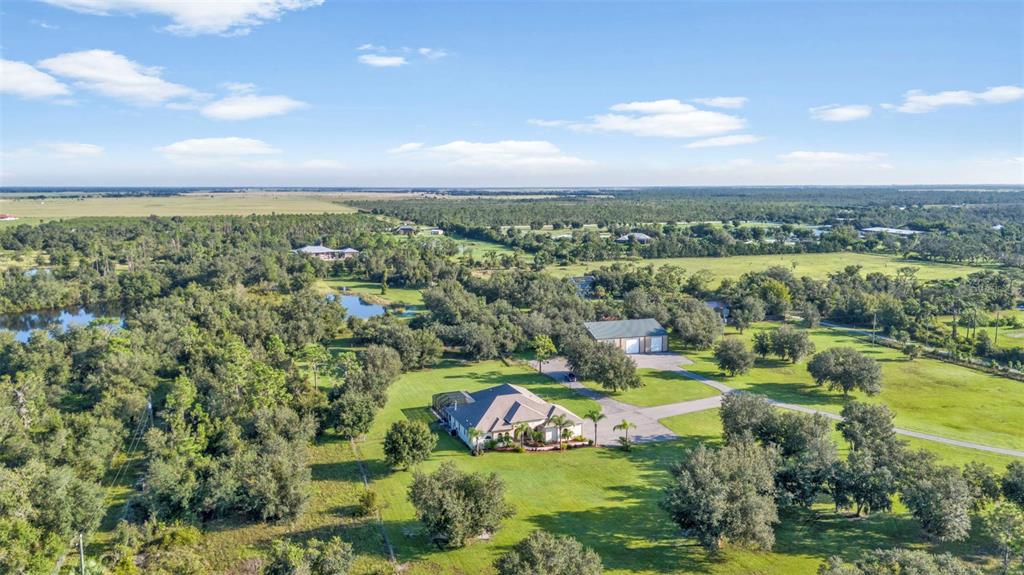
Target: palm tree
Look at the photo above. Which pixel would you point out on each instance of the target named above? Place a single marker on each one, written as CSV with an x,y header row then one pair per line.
x,y
474,438
520,432
561,423
595,415
625,426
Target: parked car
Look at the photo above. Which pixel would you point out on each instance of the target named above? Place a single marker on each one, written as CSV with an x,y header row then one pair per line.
x,y
570,377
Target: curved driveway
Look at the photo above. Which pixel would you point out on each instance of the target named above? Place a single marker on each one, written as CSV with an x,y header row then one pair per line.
x,y
646,419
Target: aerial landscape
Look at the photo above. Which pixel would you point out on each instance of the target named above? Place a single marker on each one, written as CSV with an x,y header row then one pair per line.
x,y
302,287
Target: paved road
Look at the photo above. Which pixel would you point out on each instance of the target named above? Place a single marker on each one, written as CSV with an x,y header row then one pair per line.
x,y
646,418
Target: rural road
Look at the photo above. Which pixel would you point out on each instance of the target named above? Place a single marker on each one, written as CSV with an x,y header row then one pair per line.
x,y
646,419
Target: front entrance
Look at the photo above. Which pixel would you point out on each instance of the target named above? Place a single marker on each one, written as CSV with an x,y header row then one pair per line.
x,y
633,345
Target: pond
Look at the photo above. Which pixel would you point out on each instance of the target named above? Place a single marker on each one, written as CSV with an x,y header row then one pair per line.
x,y
355,306
24,324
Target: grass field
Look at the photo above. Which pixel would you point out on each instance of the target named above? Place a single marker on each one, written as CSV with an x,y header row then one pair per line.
x,y
362,287
813,265
191,204
1007,336
660,388
605,498
927,395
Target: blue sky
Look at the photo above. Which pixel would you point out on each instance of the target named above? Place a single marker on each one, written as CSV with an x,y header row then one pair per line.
x,y
304,92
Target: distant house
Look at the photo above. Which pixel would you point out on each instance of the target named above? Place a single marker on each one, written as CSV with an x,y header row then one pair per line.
x,y
405,230
436,232
891,231
560,237
497,411
630,335
321,252
584,285
638,237
7,218
347,253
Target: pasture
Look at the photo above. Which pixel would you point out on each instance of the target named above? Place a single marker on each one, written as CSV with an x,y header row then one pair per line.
x,y
927,395
817,266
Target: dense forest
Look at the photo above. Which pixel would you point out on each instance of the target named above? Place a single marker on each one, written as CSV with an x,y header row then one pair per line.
x,y
955,226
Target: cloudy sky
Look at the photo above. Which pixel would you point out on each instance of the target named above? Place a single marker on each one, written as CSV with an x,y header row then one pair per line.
x,y
336,93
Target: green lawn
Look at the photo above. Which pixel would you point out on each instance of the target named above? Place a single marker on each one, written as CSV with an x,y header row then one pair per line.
x,y
706,424
814,265
660,388
927,395
605,498
479,248
405,296
1007,337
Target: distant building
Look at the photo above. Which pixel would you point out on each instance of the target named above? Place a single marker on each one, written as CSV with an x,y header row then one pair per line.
x,y
496,412
436,232
891,231
562,237
638,237
405,230
7,218
630,335
584,285
327,254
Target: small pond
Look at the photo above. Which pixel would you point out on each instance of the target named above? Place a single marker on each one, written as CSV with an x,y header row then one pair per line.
x,y
24,324
356,307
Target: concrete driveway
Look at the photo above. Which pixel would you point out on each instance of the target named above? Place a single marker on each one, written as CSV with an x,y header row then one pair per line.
x,y
646,418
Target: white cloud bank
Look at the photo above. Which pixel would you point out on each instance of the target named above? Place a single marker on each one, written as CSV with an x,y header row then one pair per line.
x,y
216,148
25,80
381,61
668,118
69,150
920,102
722,141
114,75
839,113
504,154
723,101
193,17
249,106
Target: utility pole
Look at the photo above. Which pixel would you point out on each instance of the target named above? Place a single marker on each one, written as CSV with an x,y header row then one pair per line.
x,y
81,553
874,326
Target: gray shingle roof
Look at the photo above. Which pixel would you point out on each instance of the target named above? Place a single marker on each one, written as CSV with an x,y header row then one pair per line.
x,y
624,328
501,407
316,250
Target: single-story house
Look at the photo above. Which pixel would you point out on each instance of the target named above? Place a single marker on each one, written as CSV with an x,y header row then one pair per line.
x,y
630,335
347,253
324,253
497,411
405,230
639,237
436,232
891,231
584,285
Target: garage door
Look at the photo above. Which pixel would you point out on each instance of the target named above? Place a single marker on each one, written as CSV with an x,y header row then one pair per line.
x,y
633,345
656,344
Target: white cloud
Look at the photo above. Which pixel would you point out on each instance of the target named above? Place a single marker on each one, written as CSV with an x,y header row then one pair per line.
x,y
406,148
432,53
919,102
24,80
114,75
723,101
45,25
192,17
839,113
216,148
74,150
548,123
380,61
802,157
502,155
239,87
721,141
248,107
663,119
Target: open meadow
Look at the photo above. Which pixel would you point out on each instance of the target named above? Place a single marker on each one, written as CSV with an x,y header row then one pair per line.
x,y
815,265
927,395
